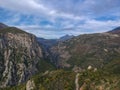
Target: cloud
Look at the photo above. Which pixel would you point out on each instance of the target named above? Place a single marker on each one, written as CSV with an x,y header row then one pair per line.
x,y
23,6
83,7
46,32
60,17
90,26
79,9
34,8
62,8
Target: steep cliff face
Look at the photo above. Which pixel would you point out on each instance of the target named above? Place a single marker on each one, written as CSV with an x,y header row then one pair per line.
x,y
19,55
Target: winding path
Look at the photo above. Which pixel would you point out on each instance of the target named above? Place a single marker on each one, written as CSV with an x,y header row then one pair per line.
x,y
76,81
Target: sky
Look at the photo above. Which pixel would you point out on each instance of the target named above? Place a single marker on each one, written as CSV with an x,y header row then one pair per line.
x,y
55,18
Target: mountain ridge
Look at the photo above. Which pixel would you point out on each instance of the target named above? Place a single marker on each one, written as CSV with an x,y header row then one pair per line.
x,y
89,61
87,49
2,25
115,31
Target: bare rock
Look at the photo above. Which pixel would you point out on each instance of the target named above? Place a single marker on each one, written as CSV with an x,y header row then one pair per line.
x,y
30,85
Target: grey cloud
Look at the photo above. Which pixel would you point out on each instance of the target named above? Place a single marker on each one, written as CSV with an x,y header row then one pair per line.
x,y
67,16
83,7
63,8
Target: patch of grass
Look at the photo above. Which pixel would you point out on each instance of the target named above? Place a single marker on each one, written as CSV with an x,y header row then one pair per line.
x,y
11,30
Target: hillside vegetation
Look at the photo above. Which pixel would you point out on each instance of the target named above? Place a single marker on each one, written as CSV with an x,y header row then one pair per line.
x,y
84,62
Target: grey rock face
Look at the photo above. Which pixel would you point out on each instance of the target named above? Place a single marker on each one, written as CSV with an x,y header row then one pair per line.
x,y
19,54
30,85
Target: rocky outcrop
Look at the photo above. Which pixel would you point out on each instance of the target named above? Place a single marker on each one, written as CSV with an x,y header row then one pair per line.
x,y
19,55
30,85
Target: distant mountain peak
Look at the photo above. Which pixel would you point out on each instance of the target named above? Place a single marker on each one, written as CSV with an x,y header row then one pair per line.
x,y
66,37
115,31
3,26
118,28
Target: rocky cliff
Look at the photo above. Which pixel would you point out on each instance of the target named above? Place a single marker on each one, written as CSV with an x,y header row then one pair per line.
x,y
19,55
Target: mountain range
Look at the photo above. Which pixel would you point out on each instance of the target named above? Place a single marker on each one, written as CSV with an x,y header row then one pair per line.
x,y
84,62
